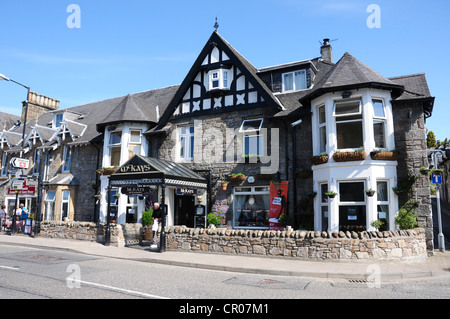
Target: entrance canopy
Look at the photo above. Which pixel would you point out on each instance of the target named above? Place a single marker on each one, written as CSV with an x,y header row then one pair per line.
x,y
141,171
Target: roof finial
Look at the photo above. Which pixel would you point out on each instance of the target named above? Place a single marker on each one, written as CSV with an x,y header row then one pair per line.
x,y
216,25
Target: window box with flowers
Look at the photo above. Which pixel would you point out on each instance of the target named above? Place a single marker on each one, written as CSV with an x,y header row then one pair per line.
x,y
107,170
319,159
357,155
380,155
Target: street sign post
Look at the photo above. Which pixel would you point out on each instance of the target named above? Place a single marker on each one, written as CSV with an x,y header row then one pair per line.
x,y
20,162
436,179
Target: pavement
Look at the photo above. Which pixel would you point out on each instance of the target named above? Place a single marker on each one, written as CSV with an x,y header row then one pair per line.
x,y
434,266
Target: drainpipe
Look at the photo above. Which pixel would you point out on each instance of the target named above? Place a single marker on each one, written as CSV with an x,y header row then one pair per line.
x,y
96,207
294,164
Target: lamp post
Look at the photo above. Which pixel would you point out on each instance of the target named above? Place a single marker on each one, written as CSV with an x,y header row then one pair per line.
x,y
5,78
441,238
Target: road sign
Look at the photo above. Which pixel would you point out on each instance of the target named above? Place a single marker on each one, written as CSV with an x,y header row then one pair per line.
x,y
20,162
436,179
17,184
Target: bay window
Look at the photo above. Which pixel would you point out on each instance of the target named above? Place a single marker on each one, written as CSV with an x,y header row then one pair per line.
x,y
134,146
349,124
383,204
322,129
352,206
114,145
219,79
379,127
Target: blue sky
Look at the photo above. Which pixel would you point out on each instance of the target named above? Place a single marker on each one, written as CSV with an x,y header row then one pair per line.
x,y
131,46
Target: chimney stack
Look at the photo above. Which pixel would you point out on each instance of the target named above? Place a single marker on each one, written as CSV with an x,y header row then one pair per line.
x,y
39,104
326,51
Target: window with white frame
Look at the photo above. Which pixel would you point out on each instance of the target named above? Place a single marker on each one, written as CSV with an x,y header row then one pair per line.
x,y
383,203
352,206
134,145
324,206
253,139
49,204
379,123
322,129
58,119
294,81
131,209
4,170
251,206
186,143
219,79
114,145
67,158
65,204
349,124
37,161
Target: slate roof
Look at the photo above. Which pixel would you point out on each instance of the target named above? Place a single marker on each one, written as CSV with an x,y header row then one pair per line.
x,y
350,73
7,120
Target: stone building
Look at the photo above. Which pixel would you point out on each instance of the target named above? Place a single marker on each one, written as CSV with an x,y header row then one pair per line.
x,y
319,125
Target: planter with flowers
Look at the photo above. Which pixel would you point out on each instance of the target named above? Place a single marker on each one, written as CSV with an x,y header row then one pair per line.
x,y
319,159
384,155
357,155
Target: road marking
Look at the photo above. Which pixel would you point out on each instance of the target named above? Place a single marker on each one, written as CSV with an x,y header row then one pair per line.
x,y
118,289
10,268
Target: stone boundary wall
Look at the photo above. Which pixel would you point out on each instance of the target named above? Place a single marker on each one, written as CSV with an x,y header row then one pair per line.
x,y
86,231
314,245
405,245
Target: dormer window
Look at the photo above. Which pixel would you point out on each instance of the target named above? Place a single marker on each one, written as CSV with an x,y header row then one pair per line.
x,y
219,79
294,81
57,119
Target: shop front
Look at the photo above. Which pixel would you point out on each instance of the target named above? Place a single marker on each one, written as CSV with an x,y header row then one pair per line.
x,y
179,190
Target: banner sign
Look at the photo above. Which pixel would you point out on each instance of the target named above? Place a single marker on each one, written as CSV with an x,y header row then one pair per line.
x,y
278,204
185,191
135,190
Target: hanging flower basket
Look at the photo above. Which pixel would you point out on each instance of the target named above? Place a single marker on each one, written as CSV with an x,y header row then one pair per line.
x,y
370,192
331,194
359,155
424,171
384,155
319,159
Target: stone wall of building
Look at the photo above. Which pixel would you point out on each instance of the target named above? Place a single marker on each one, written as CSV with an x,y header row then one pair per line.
x,y
410,142
407,245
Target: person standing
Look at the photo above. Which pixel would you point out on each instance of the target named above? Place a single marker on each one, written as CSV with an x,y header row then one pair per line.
x,y
156,220
3,215
24,212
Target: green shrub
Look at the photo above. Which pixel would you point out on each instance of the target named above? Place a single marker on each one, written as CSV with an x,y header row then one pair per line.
x,y
406,219
147,217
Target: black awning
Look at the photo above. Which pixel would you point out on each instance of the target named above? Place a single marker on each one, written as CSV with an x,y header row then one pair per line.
x,y
146,171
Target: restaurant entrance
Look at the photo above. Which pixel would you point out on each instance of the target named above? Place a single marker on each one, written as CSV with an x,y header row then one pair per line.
x,y
184,211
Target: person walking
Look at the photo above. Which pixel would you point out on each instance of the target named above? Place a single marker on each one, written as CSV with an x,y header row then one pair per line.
x,y
3,216
156,220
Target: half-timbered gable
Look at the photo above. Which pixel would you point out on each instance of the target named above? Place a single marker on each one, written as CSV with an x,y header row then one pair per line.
x,y
220,80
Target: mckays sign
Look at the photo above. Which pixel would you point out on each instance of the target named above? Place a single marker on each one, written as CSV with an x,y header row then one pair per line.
x,y
135,169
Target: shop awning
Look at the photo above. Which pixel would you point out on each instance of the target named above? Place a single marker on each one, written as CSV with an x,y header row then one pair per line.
x,y
144,171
